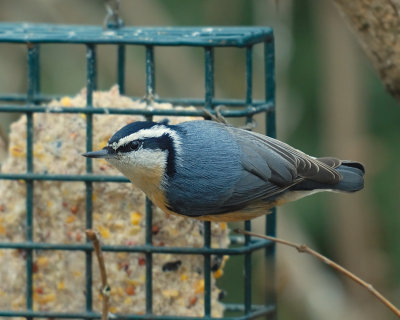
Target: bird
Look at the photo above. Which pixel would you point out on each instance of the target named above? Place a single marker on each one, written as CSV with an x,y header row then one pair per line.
x,y
213,171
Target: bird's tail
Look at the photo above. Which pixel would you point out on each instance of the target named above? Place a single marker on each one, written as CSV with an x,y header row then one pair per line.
x,y
352,179
353,176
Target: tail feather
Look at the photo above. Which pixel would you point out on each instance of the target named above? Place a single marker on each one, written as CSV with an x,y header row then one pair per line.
x,y
352,179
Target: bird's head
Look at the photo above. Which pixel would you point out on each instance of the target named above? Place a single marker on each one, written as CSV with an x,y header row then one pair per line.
x,y
143,151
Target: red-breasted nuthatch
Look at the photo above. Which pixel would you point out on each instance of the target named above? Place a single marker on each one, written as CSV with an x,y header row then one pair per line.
x,y
212,171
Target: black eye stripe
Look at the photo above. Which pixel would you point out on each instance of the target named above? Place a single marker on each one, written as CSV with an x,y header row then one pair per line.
x,y
131,146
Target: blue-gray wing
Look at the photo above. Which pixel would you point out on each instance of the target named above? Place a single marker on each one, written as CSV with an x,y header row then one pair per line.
x,y
270,167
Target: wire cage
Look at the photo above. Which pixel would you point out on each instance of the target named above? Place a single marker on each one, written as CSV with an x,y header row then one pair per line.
x,y
35,36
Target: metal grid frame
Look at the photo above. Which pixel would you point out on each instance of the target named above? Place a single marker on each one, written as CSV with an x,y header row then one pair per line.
x,y
33,35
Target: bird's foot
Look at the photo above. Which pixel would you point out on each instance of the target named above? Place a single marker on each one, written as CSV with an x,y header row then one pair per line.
x,y
217,117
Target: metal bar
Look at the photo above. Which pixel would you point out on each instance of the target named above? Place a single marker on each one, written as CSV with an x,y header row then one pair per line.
x,y
150,75
20,97
32,89
257,311
207,269
209,77
239,307
121,68
181,101
91,85
270,228
36,71
247,271
149,258
257,108
267,310
255,245
160,36
249,81
91,76
62,177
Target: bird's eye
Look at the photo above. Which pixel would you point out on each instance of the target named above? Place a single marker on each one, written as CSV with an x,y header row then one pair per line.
x,y
134,145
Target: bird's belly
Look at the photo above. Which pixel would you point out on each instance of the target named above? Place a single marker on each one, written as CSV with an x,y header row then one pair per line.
x,y
256,209
250,212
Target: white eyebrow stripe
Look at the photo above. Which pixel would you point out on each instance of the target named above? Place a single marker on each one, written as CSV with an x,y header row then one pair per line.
x,y
154,132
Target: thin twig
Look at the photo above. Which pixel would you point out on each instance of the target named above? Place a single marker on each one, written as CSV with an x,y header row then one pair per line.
x,y
105,288
334,265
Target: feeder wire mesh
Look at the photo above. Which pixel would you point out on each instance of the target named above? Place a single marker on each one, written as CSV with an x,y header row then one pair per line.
x,y
34,35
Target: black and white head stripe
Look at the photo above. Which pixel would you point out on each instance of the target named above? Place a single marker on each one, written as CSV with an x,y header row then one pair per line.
x,y
129,129
156,131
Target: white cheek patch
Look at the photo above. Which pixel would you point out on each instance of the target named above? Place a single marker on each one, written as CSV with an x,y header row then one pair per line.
x,y
149,158
141,163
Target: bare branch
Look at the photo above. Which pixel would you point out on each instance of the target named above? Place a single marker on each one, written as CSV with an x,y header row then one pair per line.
x,y
334,265
105,288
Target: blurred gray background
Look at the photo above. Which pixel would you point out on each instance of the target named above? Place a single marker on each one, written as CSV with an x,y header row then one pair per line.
x,y
329,102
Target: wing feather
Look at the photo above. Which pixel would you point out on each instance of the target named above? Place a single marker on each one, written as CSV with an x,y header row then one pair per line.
x,y
271,167
320,170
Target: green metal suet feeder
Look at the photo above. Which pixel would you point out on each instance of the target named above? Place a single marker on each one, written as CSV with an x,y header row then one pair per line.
x,y
35,36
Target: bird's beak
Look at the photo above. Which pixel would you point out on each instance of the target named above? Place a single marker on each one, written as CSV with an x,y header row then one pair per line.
x,y
104,153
